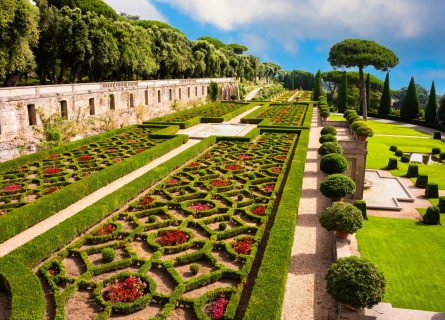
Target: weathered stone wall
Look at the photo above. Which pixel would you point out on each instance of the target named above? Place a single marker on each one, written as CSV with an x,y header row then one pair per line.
x,y
91,109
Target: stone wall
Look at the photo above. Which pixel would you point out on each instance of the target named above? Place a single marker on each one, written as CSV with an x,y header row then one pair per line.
x,y
94,107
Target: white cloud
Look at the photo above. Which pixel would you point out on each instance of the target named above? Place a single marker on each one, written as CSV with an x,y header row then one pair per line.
x,y
141,8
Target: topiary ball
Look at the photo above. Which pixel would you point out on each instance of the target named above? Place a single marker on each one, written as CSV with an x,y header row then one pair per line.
x,y
108,254
392,164
393,148
399,153
435,151
222,226
152,219
328,130
441,204
356,282
194,269
342,216
330,147
432,191
327,138
422,181
437,135
413,171
337,186
442,156
405,158
333,163
361,205
432,216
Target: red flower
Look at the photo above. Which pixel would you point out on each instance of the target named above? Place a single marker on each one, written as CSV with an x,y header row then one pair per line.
x,y
83,147
52,170
140,150
109,228
243,246
51,190
243,156
128,290
146,201
276,170
269,188
132,141
53,156
259,211
173,181
12,187
54,271
220,183
200,206
111,150
85,158
117,160
281,157
219,307
232,167
171,238
194,164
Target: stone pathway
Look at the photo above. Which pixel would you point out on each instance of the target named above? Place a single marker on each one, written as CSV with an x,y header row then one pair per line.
x,y
312,253
251,94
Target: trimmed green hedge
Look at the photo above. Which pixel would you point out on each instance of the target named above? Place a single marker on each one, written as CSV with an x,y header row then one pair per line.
x,y
28,300
24,217
270,283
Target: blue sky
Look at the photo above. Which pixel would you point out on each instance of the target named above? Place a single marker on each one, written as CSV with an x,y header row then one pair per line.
x,y
298,34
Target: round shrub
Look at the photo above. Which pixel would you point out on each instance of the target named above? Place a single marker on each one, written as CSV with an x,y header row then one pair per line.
x,y
222,226
325,113
353,118
364,131
437,135
337,186
392,164
442,156
330,147
393,148
399,153
432,216
441,204
422,181
333,163
361,205
348,112
194,268
327,138
356,124
432,191
152,219
413,171
108,254
342,216
329,130
356,282
405,158
435,151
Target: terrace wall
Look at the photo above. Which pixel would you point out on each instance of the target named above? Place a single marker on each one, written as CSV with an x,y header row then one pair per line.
x,y
95,107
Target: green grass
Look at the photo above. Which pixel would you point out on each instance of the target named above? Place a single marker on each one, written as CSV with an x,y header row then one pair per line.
x,y
412,257
394,129
379,153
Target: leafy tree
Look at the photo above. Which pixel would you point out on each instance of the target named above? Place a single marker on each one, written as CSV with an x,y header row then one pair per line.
x,y
97,6
217,43
362,53
430,113
318,90
343,94
400,95
297,79
18,35
236,48
385,101
441,111
411,105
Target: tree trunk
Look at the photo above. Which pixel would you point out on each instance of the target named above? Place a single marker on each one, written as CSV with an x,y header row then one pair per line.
x,y
363,94
11,79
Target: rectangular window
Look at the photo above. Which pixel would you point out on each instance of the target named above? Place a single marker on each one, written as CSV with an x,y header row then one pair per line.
x,y
188,92
179,93
131,100
196,91
64,109
92,107
112,102
32,115
146,97
170,95
202,90
159,96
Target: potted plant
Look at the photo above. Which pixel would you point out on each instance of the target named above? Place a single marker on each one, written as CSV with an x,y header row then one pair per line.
x,y
325,114
343,218
363,132
355,282
333,163
337,186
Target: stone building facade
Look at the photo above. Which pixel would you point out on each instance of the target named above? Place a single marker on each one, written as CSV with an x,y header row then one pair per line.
x,y
95,107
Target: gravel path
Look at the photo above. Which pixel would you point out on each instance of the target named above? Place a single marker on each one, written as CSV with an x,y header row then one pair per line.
x,y
312,251
251,94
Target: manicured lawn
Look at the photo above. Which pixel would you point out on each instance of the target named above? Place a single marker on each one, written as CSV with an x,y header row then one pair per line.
x,y
379,153
394,129
412,257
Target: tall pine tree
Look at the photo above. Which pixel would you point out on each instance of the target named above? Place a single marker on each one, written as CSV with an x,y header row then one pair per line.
x,y
385,101
317,87
368,91
411,105
431,108
343,94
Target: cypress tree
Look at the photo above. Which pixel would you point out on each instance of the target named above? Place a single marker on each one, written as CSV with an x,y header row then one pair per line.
x,y
411,105
430,112
368,91
317,87
385,101
343,94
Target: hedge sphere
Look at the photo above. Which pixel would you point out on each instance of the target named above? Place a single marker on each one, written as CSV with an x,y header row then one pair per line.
x,y
333,163
342,216
337,186
330,147
329,130
327,138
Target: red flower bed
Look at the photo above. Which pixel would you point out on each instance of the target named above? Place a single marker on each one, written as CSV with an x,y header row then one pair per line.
x,y
194,164
12,187
51,190
146,201
54,271
232,167
243,246
128,290
269,188
83,147
140,150
259,211
276,170
217,308
281,157
220,183
53,156
108,229
111,150
200,206
132,141
51,170
243,156
173,181
171,238
117,160
85,158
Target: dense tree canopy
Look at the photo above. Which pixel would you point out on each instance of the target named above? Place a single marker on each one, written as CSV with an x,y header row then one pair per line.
x,y
297,79
362,53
